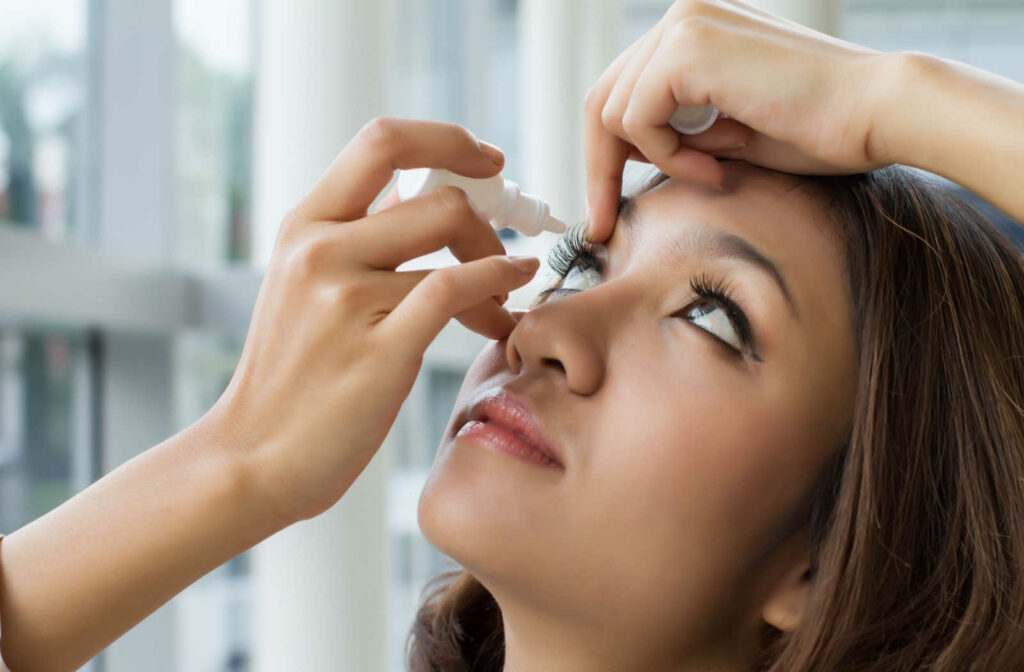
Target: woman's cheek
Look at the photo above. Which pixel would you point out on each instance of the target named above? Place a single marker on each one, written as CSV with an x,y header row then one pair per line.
x,y
713,459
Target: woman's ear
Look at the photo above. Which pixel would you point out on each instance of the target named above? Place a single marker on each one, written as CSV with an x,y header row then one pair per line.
x,y
785,605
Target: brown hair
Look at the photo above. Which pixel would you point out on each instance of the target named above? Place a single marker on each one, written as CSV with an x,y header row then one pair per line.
x,y
917,527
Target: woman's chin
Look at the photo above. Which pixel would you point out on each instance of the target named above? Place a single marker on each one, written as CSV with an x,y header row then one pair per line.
x,y
488,510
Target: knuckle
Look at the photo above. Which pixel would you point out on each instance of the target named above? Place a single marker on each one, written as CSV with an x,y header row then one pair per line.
x,y
593,102
382,132
309,257
610,117
291,222
498,266
291,218
440,287
629,122
343,294
690,31
682,9
456,200
458,136
466,137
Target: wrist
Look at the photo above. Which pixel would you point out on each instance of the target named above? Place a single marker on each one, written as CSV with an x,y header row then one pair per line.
x,y
904,107
243,481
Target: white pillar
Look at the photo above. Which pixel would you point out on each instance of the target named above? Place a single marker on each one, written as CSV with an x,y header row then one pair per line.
x,y
820,15
319,588
550,101
319,78
564,46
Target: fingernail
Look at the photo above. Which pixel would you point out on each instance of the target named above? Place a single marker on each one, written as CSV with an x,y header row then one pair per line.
x,y
491,152
719,187
738,145
526,264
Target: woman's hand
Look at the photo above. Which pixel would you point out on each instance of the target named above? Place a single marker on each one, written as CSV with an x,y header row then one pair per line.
x,y
800,100
337,335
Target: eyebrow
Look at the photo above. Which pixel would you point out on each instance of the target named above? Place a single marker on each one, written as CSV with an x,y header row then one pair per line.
x,y
715,242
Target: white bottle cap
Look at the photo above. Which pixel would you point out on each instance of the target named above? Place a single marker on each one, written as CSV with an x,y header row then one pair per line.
x,y
694,120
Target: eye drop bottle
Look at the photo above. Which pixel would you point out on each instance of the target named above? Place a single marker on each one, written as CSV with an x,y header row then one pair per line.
x,y
501,201
694,120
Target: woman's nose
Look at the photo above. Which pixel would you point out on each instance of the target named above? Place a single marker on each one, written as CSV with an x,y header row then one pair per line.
x,y
558,340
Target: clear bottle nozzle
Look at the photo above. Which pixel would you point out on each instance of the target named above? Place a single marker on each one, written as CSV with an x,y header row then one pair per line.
x,y
554,224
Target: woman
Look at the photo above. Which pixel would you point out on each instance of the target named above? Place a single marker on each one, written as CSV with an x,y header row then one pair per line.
x,y
744,479
810,468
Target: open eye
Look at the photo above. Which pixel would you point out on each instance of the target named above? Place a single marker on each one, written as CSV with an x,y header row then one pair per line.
x,y
710,316
586,272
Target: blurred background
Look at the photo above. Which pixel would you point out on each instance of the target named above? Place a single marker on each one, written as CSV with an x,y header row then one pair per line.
x,y
148,150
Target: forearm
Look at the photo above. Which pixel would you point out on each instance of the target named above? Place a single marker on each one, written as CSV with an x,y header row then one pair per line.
x,y
77,578
957,121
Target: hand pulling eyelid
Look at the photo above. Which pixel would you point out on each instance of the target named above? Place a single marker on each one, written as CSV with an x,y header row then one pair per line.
x,y
504,203
500,200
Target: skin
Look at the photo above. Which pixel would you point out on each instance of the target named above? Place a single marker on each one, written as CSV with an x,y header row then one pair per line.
x,y
653,548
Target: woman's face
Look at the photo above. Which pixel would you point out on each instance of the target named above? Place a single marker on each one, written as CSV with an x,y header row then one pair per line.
x,y
684,460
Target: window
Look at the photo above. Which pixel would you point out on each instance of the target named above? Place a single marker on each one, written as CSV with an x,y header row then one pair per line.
x,y
42,49
41,376
213,157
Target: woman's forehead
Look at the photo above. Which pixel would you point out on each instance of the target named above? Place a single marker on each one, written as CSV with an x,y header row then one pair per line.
x,y
767,208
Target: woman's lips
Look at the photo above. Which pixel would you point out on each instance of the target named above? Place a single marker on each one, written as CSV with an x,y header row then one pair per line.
x,y
504,422
503,440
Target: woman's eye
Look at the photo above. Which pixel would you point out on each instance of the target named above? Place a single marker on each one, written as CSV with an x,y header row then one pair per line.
x,y
589,273
710,316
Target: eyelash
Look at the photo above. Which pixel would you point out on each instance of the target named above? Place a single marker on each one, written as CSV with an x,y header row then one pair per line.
x,y
573,248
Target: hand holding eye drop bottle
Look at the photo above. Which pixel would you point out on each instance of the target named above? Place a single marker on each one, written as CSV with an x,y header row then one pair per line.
x,y
501,201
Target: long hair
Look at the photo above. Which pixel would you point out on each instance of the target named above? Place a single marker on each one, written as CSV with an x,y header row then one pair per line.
x,y
916,531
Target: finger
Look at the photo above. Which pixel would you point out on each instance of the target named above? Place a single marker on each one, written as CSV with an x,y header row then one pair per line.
x,y
605,153
656,97
764,150
487,318
723,134
606,156
389,199
636,155
618,97
368,162
421,225
722,138
447,292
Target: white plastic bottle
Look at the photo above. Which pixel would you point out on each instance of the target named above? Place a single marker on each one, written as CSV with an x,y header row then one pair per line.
x,y
498,199
694,120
